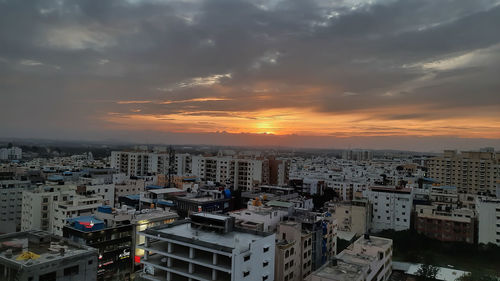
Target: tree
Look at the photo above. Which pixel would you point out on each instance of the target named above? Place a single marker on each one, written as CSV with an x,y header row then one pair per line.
x,y
427,272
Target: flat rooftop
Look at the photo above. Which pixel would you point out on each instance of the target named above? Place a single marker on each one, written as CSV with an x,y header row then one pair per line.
x,y
238,239
374,241
33,248
341,272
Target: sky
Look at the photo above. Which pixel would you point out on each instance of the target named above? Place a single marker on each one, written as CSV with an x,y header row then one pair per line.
x,y
382,74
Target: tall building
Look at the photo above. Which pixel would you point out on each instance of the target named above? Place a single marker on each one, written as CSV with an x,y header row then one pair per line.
x,y
76,207
12,153
143,163
474,172
279,170
207,247
293,259
39,256
241,173
488,211
11,203
391,207
37,205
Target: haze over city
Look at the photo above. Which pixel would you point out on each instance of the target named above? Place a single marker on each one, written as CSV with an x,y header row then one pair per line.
x,y
417,75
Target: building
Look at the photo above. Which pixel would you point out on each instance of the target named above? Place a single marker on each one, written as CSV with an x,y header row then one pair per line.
x,y
352,216
11,204
143,163
453,227
391,207
488,211
76,207
240,173
40,256
368,258
37,205
297,264
474,172
12,153
207,247
357,155
128,187
279,170
112,241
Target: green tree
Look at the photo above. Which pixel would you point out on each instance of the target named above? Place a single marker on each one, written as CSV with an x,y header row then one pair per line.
x,y
427,272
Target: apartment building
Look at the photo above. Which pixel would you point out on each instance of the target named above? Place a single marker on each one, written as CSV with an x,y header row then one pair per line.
x,y
11,203
474,172
76,207
12,153
391,207
488,211
37,205
207,247
454,226
368,259
128,187
293,259
244,174
352,216
40,256
143,163
279,170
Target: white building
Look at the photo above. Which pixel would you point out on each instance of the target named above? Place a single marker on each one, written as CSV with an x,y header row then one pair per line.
x,y
488,211
13,153
244,174
37,205
391,207
11,202
78,206
207,247
368,259
142,163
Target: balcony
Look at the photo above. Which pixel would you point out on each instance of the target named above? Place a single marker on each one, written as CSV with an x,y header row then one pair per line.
x,y
202,258
181,268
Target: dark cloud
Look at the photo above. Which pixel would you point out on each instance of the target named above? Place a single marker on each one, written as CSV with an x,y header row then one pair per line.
x,y
65,64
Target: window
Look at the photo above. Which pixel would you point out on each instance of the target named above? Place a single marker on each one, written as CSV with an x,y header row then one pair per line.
x,y
246,258
73,270
265,263
246,273
264,278
266,249
287,254
90,261
292,251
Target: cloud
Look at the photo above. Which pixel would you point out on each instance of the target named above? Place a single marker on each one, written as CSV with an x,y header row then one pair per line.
x,y
390,61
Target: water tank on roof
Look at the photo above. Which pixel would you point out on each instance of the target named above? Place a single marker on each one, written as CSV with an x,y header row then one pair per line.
x,y
227,193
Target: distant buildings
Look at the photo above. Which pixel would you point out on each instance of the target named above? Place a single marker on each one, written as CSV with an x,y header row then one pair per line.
x,y
207,247
357,155
143,163
474,172
39,256
12,153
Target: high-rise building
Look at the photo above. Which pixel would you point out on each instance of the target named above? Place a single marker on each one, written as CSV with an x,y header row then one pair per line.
x,y
11,203
38,255
241,173
12,153
474,172
297,263
207,247
352,216
143,163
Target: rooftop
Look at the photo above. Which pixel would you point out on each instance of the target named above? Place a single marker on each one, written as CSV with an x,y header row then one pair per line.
x,y
374,241
238,239
32,248
341,272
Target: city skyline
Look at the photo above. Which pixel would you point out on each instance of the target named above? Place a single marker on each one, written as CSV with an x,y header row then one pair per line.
x,y
414,75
